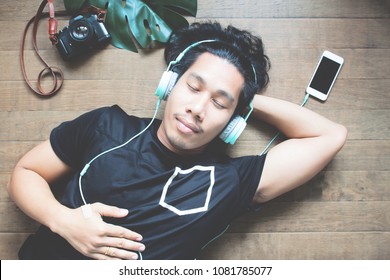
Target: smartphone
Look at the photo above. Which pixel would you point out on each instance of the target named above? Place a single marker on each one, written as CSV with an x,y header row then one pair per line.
x,y
325,75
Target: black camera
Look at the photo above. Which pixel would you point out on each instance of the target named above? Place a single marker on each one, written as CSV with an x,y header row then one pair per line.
x,y
82,34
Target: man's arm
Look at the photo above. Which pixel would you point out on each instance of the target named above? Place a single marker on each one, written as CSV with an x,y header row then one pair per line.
x,y
312,142
29,188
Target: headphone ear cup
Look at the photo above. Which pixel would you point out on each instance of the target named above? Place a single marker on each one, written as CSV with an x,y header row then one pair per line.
x,y
233,130
167,81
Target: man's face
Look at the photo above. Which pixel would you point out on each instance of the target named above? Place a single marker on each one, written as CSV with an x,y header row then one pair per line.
x,y
200,105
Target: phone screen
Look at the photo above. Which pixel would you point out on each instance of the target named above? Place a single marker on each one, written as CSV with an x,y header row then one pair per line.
x,y
325,74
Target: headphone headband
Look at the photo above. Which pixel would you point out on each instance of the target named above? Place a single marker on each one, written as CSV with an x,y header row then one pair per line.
x,y
180,56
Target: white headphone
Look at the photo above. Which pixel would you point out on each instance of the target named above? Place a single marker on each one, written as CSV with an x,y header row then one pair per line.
x,y
168,80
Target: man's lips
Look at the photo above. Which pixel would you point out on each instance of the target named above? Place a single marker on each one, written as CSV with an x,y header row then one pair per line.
x,y
186,126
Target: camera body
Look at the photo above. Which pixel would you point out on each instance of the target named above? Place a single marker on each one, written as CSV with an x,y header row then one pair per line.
x,y
82,34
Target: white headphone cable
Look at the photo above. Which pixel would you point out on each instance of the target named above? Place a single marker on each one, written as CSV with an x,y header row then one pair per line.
x,y
86,167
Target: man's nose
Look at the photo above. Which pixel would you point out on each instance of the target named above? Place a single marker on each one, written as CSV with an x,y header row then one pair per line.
x,y
197,106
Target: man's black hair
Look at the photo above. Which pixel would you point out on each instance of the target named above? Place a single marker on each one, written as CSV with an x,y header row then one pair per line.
x,y
244,50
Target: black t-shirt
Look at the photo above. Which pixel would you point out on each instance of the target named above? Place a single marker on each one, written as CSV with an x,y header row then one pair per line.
x,y
177,203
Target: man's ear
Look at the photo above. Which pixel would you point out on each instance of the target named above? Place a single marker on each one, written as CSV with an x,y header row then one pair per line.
x,y
166,84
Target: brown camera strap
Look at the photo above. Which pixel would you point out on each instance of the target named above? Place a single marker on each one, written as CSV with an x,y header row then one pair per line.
x,y
55,72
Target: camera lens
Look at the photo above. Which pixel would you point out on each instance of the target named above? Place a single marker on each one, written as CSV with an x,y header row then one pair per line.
x,y
81,30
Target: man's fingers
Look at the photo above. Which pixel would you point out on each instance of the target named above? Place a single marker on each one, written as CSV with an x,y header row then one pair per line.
x,y
122,234
119,248
117,253
109,211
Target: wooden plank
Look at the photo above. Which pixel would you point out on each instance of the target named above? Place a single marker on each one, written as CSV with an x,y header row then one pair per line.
x,y
339,216
112,64
358,155
83,95
11,10
18,11
14,220
13,153
343,186
10,244
292,9
117,64
316,33
275,32
301,246
4,178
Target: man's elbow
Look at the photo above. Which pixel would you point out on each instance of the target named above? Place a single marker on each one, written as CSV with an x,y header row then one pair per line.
x,y
339,136
261,197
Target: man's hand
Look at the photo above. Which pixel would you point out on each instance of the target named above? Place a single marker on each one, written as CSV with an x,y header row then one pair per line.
x,y
86,231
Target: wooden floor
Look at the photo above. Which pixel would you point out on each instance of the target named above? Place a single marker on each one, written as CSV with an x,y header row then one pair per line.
x,y
343,213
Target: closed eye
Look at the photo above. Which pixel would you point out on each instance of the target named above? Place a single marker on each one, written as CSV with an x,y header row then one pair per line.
x,y
218,104
192,88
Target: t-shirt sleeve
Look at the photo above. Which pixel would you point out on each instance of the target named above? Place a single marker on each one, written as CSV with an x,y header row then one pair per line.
x,y
70,139
250,169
